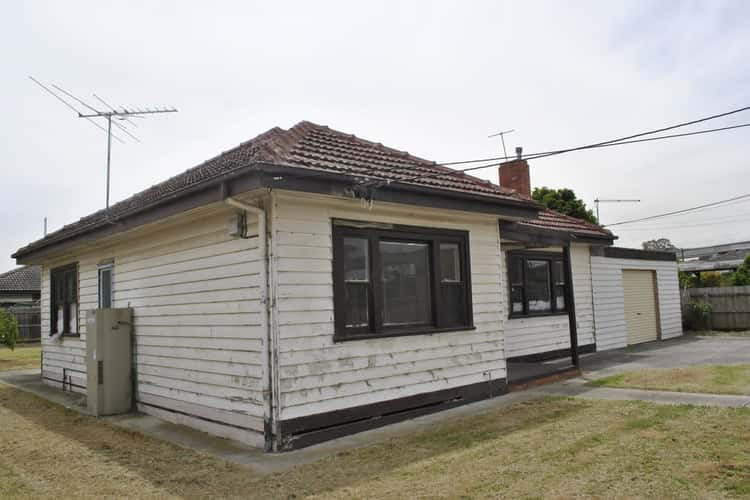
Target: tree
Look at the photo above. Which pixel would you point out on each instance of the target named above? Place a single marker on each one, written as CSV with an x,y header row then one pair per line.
x,y
741,277
563,200
662,244
8,329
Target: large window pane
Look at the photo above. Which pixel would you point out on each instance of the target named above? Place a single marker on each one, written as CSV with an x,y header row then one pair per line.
x,y
450,263
356,261
406,283
538,285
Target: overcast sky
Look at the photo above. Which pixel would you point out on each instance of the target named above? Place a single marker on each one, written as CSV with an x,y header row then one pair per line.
x,y
433,78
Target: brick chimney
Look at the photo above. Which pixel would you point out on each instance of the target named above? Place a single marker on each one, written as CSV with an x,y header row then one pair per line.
x,y
514,174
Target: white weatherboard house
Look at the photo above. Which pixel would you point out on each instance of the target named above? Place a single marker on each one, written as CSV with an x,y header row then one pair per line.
x,y
308,284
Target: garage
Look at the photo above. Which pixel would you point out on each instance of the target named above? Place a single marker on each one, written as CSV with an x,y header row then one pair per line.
x,y
636,296
641,315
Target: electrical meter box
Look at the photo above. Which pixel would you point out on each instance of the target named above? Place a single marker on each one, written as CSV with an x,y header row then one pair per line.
x,y
109,388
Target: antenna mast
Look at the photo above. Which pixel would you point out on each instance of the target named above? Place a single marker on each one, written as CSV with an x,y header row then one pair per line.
x,y
122,114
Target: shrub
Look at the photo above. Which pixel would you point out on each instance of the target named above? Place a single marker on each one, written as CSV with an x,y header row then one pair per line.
x,y
741,277
698,314
710,278
8,329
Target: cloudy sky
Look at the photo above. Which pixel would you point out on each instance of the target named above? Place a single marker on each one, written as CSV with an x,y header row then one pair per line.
x,y
433,78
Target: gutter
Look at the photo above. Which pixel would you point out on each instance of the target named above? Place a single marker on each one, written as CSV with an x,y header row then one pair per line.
x,y
269,346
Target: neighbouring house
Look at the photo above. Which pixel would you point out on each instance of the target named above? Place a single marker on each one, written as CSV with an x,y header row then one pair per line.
x,y
20,287
308,284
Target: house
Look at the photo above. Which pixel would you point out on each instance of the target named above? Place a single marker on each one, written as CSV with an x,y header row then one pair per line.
x,y
20,287
308,284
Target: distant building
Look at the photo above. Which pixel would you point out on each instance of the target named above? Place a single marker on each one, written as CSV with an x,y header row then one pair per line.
x,y
726,257
20,287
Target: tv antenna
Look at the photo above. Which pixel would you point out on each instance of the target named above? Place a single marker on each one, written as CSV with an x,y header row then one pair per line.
x,y
114,116
597,201
502,138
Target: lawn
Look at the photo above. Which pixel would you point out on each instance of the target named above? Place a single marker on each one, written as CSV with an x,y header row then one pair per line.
x,y
713,379
550,447
21,358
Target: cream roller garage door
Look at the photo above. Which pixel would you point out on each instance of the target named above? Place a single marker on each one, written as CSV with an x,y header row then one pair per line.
x,y
641,315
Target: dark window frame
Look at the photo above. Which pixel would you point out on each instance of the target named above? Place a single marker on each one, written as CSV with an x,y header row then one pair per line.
x,y
374,233
58,296
551,258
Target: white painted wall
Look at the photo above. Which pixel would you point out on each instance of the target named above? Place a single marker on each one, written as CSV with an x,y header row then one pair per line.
x,y
524,336
609,303
198,321
317,375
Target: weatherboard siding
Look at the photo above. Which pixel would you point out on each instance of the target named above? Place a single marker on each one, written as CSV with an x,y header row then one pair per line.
x,y
609,302
197,318
541,334
318,375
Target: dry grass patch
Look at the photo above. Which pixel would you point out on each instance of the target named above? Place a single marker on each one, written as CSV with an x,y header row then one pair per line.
x,y
711,379
546,448
21,358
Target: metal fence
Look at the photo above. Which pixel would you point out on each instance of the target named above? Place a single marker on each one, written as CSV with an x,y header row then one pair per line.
x,y
29,323
730,306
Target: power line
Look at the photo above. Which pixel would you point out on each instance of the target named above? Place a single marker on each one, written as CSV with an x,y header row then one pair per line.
x,y
723,220
684,210
533,156
679,218
685,226
621,139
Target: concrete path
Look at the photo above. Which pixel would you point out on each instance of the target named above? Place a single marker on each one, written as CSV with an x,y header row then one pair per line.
x,y
577,388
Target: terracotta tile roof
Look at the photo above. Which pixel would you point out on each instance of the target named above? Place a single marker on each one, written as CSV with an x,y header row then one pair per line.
x,y
555,221
22,279
307,146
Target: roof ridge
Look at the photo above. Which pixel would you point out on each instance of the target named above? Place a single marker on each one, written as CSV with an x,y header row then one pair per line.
x,y
406,155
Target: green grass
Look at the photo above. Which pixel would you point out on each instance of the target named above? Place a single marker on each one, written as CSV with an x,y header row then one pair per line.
x,y
21,358
712,379
545,448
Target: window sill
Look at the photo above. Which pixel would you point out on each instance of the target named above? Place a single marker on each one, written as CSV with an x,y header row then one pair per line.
x,y
537,315
71,335
366,336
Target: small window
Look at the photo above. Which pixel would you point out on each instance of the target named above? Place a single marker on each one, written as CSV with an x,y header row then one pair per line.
x,y
399,280
105,286
64,300
536,283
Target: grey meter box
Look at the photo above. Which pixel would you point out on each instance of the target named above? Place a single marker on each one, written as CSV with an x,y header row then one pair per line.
x,y
108,361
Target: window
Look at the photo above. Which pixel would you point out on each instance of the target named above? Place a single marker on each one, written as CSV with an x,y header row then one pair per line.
x,y
105,286
537,283
64,300
397,280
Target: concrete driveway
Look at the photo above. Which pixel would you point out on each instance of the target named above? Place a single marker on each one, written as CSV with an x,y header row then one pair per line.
x,y
683,351
675,353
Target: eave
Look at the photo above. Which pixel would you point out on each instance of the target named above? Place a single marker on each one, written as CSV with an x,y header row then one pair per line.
x,y
262,175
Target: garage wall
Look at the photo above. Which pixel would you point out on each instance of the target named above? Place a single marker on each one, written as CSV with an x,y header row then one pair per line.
x,y
198,321
609,302
318,375
525,336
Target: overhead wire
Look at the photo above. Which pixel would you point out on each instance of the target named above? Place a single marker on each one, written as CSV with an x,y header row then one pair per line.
x,y
533,156
682,211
